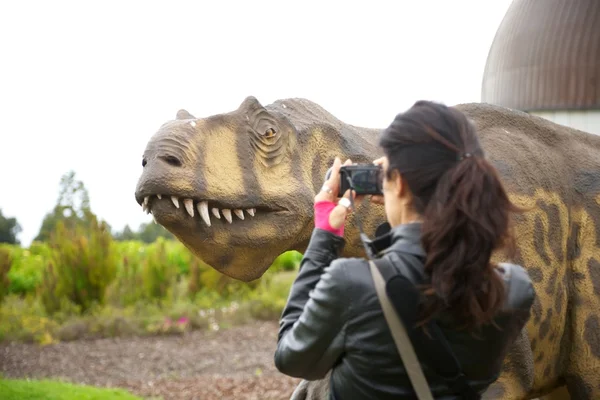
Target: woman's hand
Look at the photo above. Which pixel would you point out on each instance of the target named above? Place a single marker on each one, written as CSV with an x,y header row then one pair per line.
x,y
331,212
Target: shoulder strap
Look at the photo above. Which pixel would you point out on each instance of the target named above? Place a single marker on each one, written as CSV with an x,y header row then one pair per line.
x,y
436,351
407,353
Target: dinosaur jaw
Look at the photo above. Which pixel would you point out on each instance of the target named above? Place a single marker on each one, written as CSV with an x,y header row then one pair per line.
x,y
204,212
212,228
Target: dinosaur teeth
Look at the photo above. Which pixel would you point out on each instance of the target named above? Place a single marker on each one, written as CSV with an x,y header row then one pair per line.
x,y
239,213
189,206
227,214
203,211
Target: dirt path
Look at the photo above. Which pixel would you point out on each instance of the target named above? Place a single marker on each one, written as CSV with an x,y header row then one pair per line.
x,y
235,363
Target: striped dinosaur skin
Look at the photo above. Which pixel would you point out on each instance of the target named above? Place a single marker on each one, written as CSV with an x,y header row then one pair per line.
x,y
268,162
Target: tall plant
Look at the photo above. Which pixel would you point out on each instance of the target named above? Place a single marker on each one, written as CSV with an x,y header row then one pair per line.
x,y
83,264
5,264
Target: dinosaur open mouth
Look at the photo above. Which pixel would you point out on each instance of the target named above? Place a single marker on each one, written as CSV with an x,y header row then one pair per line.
x,y
205,209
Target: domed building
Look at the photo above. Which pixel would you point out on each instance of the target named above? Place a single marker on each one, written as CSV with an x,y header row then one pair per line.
x,y
545,60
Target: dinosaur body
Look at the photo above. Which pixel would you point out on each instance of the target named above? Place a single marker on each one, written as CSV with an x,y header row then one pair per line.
x,y
265,164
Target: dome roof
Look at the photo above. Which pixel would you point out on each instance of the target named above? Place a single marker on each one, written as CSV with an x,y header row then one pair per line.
x,y
545,56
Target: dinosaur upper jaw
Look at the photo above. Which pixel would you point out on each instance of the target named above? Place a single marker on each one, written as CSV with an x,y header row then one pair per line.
x,y
198,214
203,212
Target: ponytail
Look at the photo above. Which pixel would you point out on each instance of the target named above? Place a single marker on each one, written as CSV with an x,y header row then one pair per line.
x,y
464,207
465,221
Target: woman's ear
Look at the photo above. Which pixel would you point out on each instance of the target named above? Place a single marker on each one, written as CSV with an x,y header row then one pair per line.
x,y
397,184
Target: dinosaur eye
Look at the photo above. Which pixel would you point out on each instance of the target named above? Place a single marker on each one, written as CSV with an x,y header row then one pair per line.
x,y
270,133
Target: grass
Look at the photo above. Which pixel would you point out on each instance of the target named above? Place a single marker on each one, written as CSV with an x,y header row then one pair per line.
x,y
22,389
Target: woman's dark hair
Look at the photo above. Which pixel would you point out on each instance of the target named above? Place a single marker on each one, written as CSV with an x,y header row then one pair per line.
x,y
464,207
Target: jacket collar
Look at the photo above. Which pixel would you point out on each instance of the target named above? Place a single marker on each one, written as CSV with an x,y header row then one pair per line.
x,y
404,237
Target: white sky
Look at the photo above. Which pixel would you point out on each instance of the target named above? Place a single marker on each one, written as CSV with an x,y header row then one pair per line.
x,y
83,85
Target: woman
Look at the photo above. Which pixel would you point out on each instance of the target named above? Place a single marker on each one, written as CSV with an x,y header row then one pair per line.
x,y
442,196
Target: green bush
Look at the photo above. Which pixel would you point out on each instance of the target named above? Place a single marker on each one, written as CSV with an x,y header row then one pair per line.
x,y
84,285
28,265
5,266
83,265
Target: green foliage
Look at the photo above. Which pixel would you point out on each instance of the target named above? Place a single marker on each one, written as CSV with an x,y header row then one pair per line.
x,y
83,265
158,275
158,288
27,267
287,261
9,229
147,233
5,266
26,389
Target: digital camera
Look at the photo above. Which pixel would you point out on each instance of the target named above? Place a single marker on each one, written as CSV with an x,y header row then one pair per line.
x,y
365,178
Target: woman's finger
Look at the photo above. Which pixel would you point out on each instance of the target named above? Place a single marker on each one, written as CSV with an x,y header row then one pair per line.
x,y
378,161
340,212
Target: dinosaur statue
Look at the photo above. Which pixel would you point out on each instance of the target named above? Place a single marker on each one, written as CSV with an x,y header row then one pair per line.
x,y
237,190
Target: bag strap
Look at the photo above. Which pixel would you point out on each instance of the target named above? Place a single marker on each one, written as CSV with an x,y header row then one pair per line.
x,y
436,351
403,344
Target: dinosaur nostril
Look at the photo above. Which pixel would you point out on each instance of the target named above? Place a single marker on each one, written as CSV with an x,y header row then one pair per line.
x,y
144,162
172,160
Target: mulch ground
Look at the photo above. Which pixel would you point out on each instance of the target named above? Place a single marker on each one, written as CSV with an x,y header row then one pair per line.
x,y
236,363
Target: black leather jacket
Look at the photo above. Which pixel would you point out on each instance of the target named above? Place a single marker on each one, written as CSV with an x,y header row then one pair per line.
x,y
333,320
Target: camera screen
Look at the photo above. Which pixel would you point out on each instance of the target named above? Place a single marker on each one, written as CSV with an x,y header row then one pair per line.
x,y
367,181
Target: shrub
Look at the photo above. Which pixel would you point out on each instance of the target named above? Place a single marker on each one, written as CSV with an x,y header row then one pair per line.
x,y
83,265
158,274
5,265
27,269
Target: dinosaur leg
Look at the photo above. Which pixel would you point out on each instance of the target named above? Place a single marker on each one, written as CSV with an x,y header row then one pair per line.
x,y
583,369
582,372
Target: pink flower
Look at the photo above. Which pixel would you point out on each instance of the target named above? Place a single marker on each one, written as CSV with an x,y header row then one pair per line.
x,y
183,320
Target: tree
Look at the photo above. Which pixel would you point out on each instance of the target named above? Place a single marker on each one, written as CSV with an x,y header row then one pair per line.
x,y
72,207
126,234
147,233
9,229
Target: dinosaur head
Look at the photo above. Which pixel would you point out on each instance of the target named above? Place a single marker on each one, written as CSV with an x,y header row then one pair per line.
x,y
229,187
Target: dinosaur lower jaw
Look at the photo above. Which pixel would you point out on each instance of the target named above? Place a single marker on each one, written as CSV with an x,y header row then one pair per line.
x,y
205,212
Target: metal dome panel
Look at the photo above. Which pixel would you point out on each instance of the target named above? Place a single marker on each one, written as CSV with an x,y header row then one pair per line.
x,y
545,56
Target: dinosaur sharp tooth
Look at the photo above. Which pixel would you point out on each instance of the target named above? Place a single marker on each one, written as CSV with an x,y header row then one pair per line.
x,y
215,212
146,201
159,196
227,214
203,211
144,207
189,206
175,201
154,219
239,213
251,211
